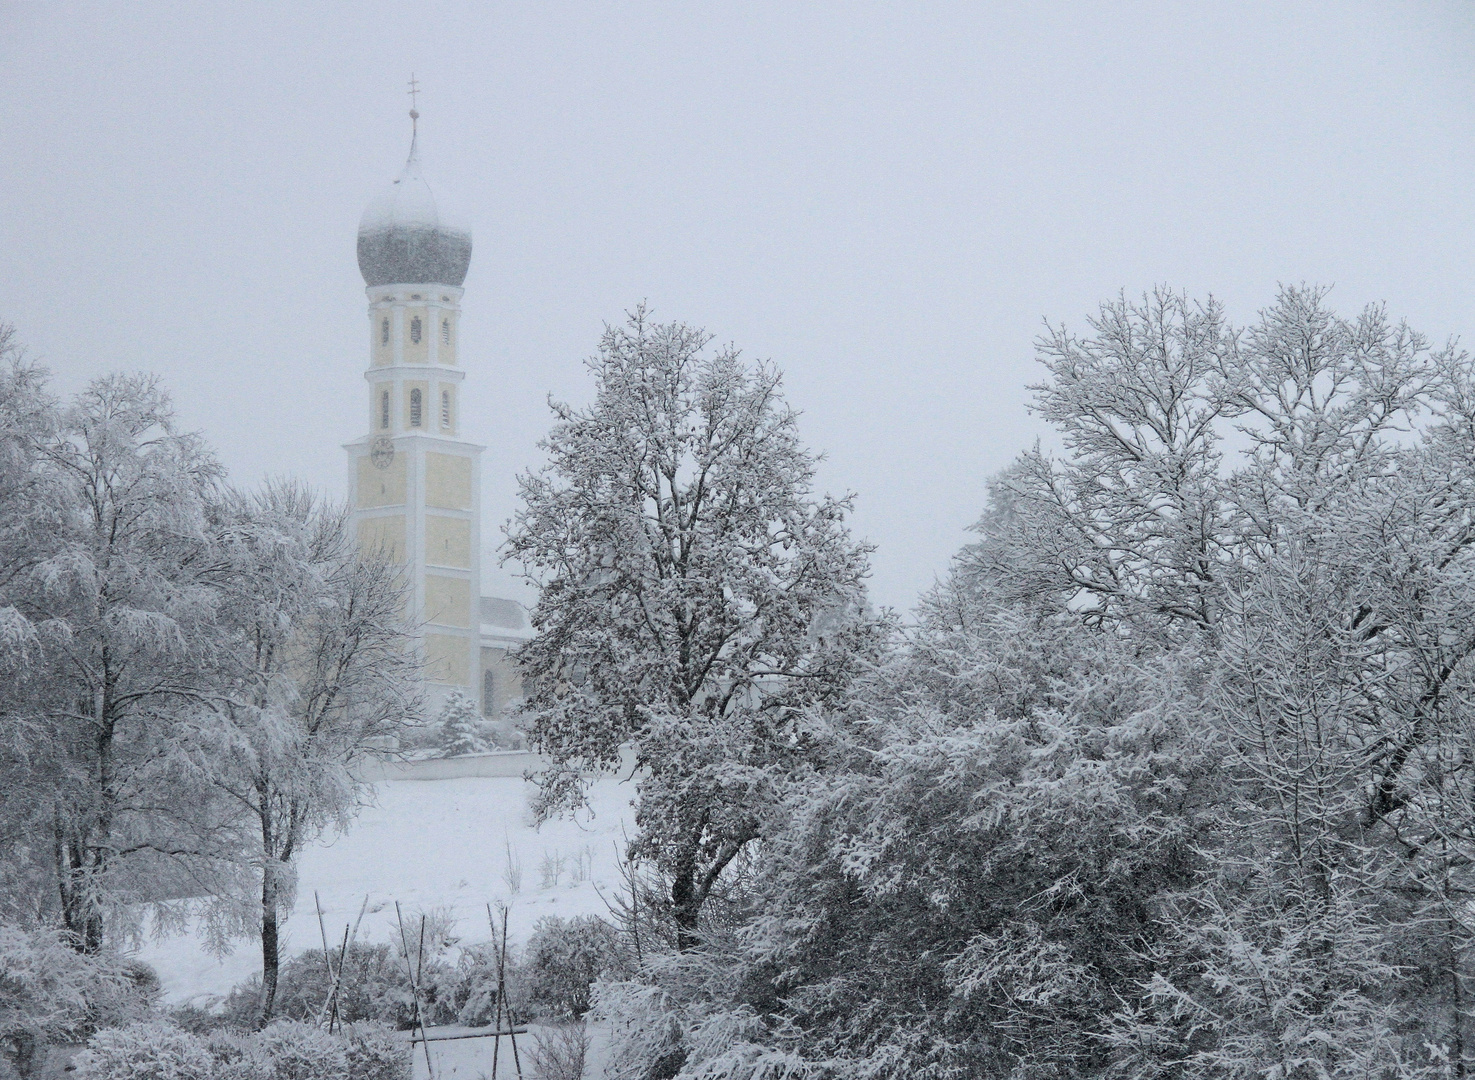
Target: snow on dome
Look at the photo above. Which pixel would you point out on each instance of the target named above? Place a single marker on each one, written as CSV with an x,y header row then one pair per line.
x,y
404,239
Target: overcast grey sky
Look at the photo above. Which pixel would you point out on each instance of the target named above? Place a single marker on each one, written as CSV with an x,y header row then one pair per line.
x,y
884,199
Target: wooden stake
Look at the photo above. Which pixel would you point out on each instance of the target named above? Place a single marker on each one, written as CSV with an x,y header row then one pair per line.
x,y
469,1035
327,963
348,938
326,959
497,1018
338,981
502,989
420,953
414,987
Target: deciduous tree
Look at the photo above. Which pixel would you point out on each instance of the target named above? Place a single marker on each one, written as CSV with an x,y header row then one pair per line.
x,y
314,667
110,603
696,596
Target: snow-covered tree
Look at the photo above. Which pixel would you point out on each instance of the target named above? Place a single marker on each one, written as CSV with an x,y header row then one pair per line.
x,y
969,886
30,518
459,727
1302,525
313,667
696,596
1173,779
188,675
109,604
1287,956
1189,445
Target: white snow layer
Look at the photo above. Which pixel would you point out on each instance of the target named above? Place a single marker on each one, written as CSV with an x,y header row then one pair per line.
x,y
408,203
429,844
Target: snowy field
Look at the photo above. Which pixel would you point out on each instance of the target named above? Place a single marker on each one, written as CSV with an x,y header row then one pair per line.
x,y
431,845
472,1059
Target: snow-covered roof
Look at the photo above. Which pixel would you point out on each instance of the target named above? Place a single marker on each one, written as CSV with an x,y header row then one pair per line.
x,y
503,622
405,238
507,614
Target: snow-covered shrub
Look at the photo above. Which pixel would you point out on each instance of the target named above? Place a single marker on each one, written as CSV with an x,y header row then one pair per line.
x,y
284,1050
564,957
647,1029
460,727
303,1051
475,992
469,989
420,740
503,735
683,1015
238,1056
50,992
200,1018
550,870
559,1052
511,867
373,987
150,1050
374,1053
512,737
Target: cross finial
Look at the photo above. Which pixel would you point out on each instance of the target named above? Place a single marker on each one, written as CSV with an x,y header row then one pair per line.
x,y
414,99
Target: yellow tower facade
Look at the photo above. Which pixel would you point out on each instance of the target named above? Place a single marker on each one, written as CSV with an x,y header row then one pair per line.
x,y
414,482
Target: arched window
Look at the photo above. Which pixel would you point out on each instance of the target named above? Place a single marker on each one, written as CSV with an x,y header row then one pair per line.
x,y
384,408
384,332
415,408
489,693
445,331
445,409
415,329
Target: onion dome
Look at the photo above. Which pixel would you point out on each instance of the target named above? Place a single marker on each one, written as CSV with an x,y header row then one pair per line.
x,y
404,239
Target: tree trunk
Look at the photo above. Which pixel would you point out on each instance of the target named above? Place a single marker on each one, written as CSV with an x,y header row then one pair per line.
x,y
270,957
684,911
25,1051
691,886
81,857
270,911
686,905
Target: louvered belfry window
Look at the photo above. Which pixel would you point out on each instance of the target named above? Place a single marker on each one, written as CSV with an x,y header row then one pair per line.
x,y
415,408
384,408
445,331
445,409
415,330
384,332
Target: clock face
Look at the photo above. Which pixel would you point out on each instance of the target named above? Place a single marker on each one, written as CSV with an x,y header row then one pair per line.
x,y
382,452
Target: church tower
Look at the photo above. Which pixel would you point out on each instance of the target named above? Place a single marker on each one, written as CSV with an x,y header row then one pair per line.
x,y
414,482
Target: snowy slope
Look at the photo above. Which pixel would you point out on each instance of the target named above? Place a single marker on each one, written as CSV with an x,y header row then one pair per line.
x,y
429,844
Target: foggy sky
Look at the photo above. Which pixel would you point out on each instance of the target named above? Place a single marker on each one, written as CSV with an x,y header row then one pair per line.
x,y
886,200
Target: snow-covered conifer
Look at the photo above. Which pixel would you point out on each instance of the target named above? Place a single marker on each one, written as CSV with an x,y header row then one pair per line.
x,y
459,727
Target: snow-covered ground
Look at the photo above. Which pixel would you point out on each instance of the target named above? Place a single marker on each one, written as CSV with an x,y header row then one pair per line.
x,y
472,1059
431,845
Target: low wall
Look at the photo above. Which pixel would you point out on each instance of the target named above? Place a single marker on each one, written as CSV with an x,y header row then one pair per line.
x,y
496,763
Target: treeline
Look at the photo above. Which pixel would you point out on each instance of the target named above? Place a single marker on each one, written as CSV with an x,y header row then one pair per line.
x,y
1171,776
188,673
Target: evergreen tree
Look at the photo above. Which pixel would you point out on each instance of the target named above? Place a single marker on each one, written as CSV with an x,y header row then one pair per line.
x,y
460,727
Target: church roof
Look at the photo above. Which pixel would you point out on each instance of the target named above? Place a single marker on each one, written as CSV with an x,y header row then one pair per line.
x,y
508,614
406,239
